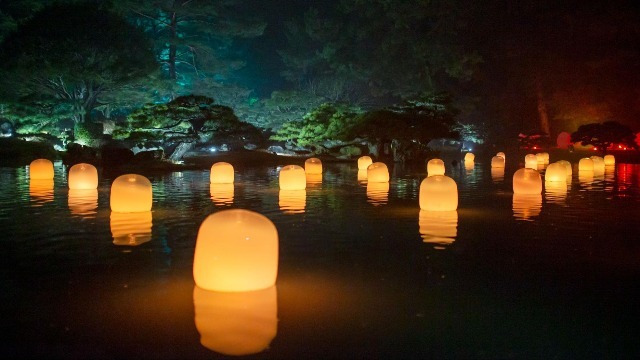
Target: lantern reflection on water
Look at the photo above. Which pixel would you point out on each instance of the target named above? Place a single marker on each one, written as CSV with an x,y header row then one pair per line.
x,y
313,166
555,191
222,193
438,227
236,250
83,176
364,162
292,201
236,323
497,174
377,172
377,193
41,190
131,229
527,181
131,193
41,169
526,206
314,179
83,202
292,177
438,193
435,167
222,173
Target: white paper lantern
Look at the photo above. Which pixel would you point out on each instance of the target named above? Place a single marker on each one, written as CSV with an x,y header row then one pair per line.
x,y
83,176
292,177
131,193
222,173
497,162
527,181
364,162
585,164
609,160
377,172
435,167
438,193
41,169
531,161
313,166
556,172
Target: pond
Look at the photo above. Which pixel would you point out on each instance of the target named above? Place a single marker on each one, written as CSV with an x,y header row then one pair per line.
x,y
363,273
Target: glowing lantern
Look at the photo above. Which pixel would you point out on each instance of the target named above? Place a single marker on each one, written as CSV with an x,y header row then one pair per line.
x,y
131,229
563,140
438,227
531,161
568,168
585,164
292,177
83,176
362,176
83,202
527,181
502,155
556,172
221,194
497,174
41,190
377,172
435,167
131,193
469,157
222,173
236,250
313,166
438,193
545,157
364,162
469,165
609,160
526,206
377,193
292,201
497,162
236,323
41,169
598,164
314,179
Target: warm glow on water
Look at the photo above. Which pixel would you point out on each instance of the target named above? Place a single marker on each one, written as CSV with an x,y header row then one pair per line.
x,y
363,273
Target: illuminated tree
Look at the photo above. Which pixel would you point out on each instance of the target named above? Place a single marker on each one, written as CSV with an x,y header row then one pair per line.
x,y
602,135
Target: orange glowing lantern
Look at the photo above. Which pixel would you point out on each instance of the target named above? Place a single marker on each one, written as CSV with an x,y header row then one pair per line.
x,y
292,177
568,168
598,164
438,193
526,206
438,227
83,176
292,201
377,193
221,173
313,166
585,164
236,250
497,162
609,160
531,161
41,169
377,172
131,193
545,157
556,172
435,167
362,176
527,181
469,165
364,162
221,194
502,155
131,229
83,202
469,157
236,323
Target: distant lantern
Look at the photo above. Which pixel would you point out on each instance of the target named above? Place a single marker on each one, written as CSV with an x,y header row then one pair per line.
x,y
83,176
469,165
222,173
556,172
540,158
609,160
377,172
564,140
497,162
236,250
41,169
236,323
292,177
502,155
131,229
598,164
83,202
362,176
439,228
527,181
292,201
438,193
377,193
585,164
364,162
568,167
435,167
221,194
526,206
131,193
313,166
469,157
545,158
531,161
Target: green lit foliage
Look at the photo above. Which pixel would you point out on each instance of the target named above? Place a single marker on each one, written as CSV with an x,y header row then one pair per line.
x,y
602,135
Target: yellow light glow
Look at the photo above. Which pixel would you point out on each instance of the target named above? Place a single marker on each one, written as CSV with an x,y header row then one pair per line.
x,y
531,161
598,164
377,193
526,206
362,176
609,160
435,167
497,174
236,323
292,177
41,191
292,201
222,193
41,169
314,179
83,202
131,229
497,162
131,193
438,193
377,172
555,191
236,250
222,173
568,168
585,164
556,172
313,166
527,181
364,162
469,157
469,165
502,155
438,227
83,176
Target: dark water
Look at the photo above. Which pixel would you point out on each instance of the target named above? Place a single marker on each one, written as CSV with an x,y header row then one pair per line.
x,y
362,272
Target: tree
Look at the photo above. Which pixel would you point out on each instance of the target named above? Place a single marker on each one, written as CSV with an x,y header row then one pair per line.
x,y
602,135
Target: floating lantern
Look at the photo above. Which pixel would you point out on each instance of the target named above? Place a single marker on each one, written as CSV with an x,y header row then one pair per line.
x,y
131,229
222,193
83,176
41,191
469,157
556,172
435,167
564,140
568,168
585,164
545,158
41,169
540,158
292,201
377,193
497,174
222,173
292,177
598,164
502,155
527,181
313,166
438,193
555,191
236,250
497,162
531,161
362,176
609,160
364,162
236,323
131,193
438,227
377,172
83,202
526,206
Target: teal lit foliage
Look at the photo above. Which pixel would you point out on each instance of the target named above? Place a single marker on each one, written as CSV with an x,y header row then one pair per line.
x,y
602,135
87,132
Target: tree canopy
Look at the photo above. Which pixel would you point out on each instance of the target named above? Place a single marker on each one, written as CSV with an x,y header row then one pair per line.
x,y
602,135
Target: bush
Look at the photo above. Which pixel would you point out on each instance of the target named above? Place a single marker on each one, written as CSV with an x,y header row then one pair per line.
x,y
87,133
